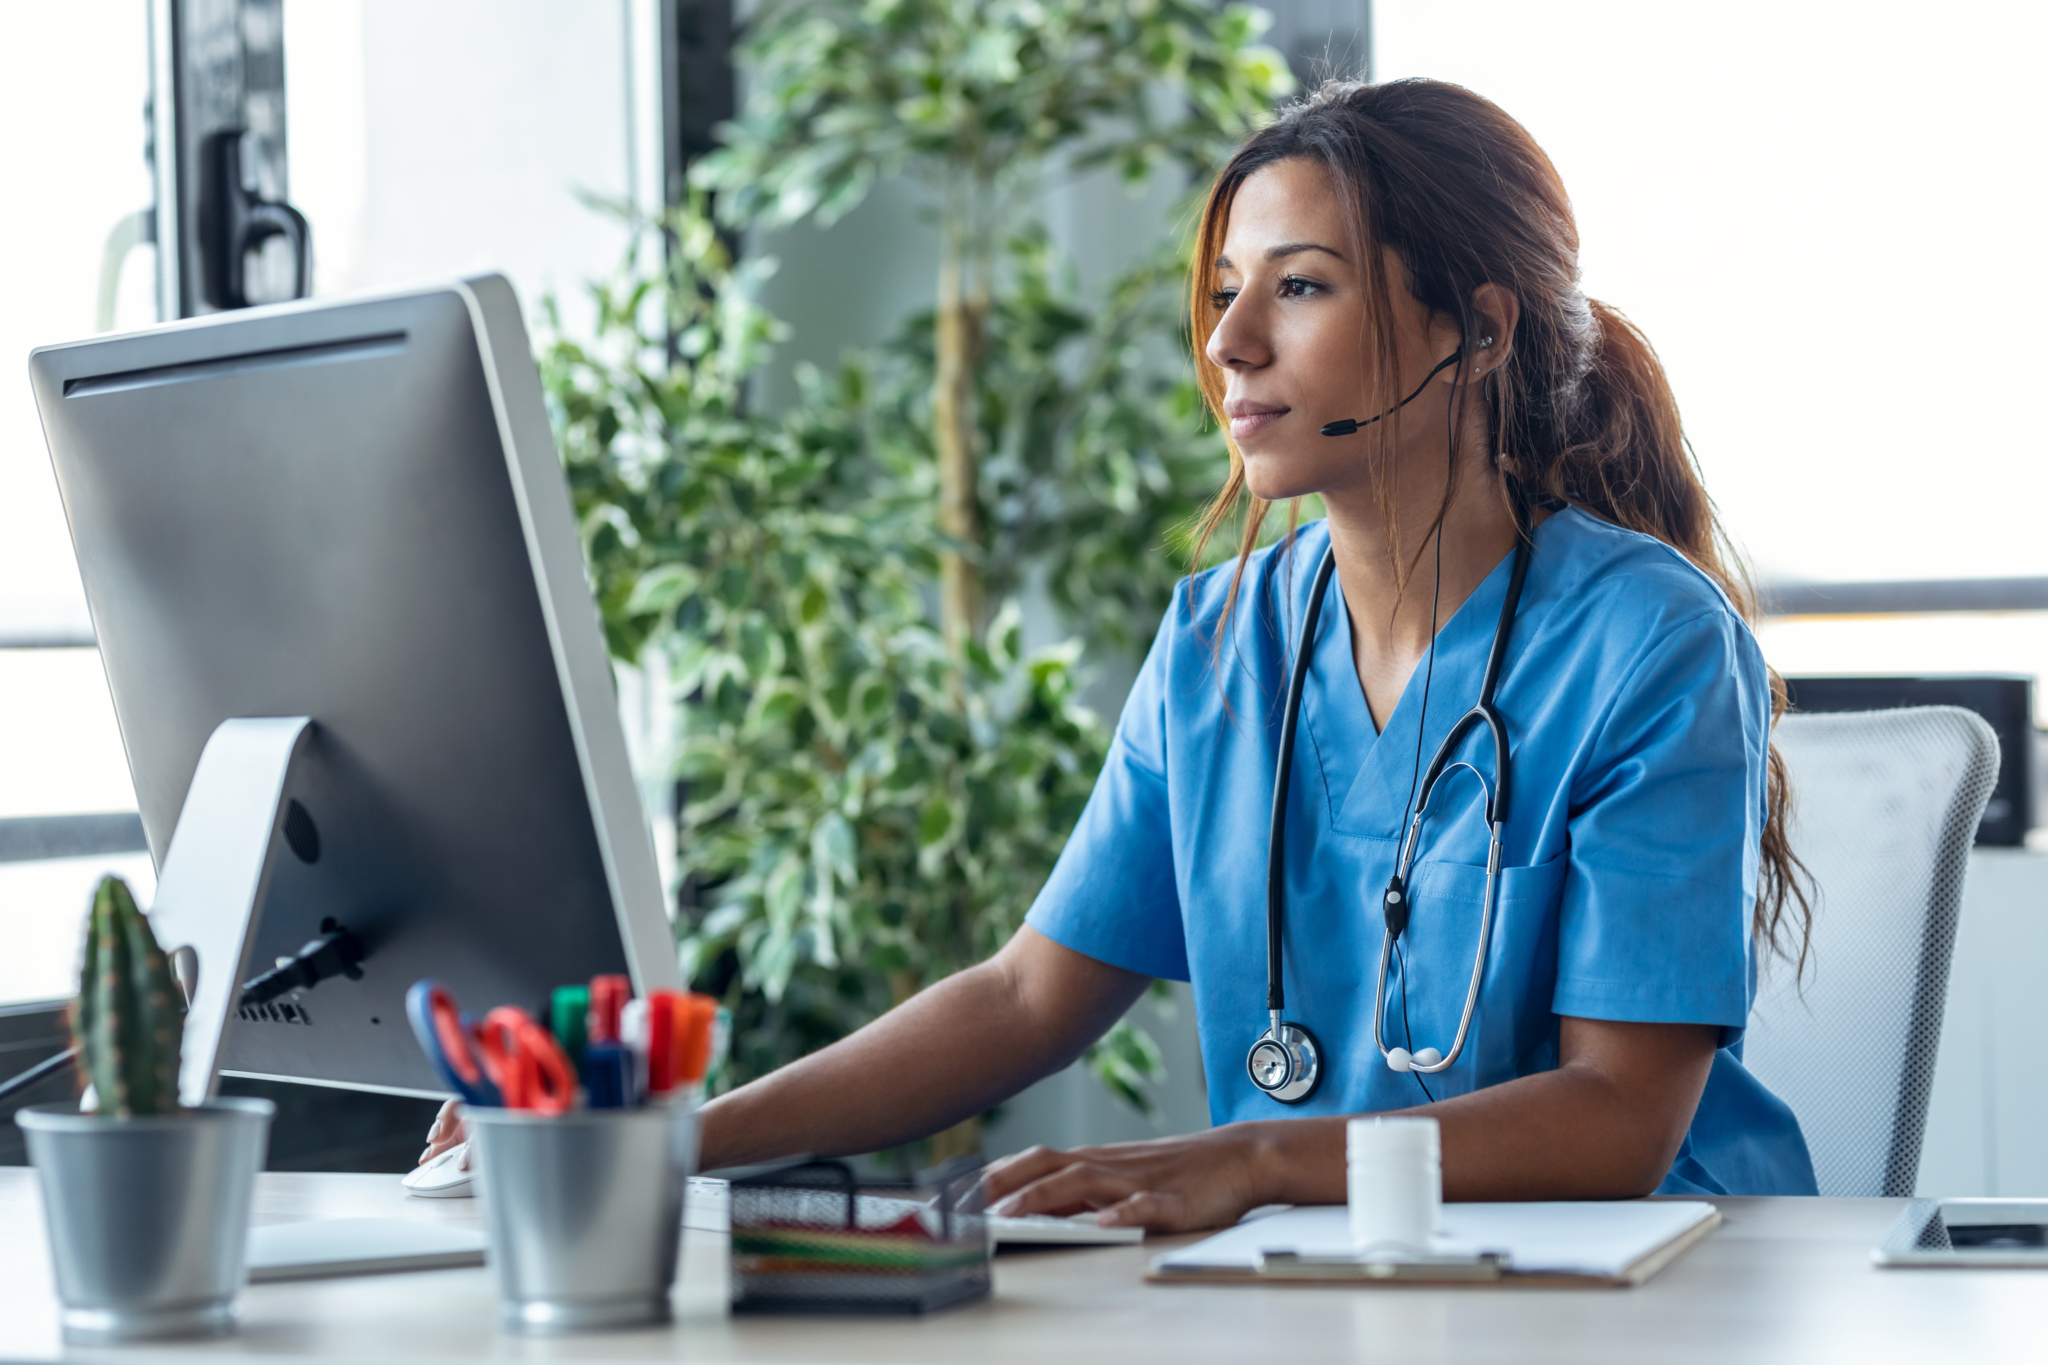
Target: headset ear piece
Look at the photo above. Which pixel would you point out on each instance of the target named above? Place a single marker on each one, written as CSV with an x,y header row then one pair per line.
x,y
1399,1060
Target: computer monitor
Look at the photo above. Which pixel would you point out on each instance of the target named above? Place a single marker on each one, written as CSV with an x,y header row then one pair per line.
x,y
340,598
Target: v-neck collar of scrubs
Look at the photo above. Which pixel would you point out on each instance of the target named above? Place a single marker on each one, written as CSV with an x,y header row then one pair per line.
x,y
1366,773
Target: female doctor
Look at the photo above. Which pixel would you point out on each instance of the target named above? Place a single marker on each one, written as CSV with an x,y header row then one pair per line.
x,y
1398,264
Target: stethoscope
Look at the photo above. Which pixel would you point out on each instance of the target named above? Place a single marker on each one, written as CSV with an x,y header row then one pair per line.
x,y
1286,1062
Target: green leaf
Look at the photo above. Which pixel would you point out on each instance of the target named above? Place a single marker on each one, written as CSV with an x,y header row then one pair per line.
x,y
935,822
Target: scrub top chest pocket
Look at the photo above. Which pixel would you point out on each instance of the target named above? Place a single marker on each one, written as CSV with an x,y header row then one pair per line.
x,y
1513,1031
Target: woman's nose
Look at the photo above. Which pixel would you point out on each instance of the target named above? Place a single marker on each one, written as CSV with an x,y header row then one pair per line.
x,y
1238,343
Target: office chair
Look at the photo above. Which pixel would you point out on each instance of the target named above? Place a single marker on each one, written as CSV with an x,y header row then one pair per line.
x,y
1885,807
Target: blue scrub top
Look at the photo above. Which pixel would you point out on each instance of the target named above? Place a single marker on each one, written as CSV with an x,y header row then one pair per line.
x,y
1638,712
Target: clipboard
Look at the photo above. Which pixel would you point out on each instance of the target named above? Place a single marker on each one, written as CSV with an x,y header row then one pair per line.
x,y
1539,1246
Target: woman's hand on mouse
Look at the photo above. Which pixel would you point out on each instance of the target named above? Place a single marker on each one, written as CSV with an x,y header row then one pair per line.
x,y
448,1130
1177,1184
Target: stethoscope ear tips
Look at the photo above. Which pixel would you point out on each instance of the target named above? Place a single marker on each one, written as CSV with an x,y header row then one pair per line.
x,y
1401,1059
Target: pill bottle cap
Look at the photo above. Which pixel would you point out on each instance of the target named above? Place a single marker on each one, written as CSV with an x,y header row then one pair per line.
x,y
1393,1139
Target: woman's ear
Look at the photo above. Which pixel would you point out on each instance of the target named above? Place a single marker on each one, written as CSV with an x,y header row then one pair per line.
x,y
1495,311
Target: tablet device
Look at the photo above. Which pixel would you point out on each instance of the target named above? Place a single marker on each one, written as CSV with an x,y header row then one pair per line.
x,y
1967,1232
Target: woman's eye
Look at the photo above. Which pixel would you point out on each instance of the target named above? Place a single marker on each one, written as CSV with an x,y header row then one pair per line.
x,y
1295,287
1219,299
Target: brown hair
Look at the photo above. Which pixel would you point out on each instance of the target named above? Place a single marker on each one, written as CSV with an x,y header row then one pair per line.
x,y
1580,412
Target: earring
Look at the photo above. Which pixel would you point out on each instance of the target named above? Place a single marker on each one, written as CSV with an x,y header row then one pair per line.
x,y
1484,342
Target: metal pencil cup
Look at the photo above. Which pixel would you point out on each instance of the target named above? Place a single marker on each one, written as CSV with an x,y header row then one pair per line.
x,y
148,1217
585,1212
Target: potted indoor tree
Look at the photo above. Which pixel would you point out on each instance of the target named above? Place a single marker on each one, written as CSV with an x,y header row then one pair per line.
x,y
146,1201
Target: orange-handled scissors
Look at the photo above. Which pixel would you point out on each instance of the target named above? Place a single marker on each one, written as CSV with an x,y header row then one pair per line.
x,y
525,1062
507,1060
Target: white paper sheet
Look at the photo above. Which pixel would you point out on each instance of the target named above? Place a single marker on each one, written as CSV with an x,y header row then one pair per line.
x,y
1600,1239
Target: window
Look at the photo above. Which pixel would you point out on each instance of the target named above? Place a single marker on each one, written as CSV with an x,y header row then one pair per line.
x,y
82,67
1821,214
424,141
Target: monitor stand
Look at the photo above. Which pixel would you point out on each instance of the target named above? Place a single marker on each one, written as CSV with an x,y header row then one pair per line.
x,y
217,874
224,857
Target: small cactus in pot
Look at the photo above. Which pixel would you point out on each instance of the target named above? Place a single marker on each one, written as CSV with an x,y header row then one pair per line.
x,y
136,1256
129,1017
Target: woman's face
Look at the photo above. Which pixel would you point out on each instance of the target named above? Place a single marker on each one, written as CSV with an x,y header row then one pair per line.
x,y
1293,342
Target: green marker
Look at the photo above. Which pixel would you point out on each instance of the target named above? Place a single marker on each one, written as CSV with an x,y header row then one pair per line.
x,y
568,1017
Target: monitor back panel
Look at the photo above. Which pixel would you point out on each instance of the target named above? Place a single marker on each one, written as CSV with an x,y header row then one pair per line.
x,y
310,513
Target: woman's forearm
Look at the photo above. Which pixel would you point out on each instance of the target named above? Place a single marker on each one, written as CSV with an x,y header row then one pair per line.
x,y
1604,1125
1590,1129
944,1055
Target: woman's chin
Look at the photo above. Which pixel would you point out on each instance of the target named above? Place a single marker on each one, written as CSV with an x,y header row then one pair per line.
x,y
1275,476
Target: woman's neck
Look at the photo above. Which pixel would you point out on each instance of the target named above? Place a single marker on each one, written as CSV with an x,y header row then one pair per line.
x,y
1390,618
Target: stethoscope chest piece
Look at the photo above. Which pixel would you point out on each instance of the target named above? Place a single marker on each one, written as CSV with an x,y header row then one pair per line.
x,y
1286,1063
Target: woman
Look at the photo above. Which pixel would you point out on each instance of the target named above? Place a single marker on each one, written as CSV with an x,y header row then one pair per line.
x,y
1402,256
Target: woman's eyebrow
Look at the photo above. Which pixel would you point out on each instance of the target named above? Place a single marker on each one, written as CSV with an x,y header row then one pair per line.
x,y
1296,248
1283,251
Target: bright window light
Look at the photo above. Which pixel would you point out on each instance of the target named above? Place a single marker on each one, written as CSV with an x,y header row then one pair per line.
x,y
74,79
1825,216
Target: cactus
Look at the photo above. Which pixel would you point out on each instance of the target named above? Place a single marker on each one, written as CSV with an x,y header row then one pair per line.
x,y
129,1016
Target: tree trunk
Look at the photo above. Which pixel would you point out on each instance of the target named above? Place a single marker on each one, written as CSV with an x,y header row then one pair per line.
x,y
963,312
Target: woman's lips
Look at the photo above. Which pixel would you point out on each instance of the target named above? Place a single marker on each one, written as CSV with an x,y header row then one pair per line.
x,y
1251,423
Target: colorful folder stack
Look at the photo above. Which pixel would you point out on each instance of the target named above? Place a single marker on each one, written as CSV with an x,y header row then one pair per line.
x,y
811,1238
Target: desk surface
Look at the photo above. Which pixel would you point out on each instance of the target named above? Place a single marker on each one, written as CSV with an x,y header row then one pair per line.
x,y
1782,1279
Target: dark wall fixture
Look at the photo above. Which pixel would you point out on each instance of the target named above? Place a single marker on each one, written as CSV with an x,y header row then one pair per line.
x,y
2008,703
697,80
218,143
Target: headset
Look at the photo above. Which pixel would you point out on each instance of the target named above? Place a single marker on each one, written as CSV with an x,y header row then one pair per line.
x,y
1287,1062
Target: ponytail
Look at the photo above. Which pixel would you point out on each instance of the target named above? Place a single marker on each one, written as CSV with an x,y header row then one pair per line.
x,y
1629,463
1581,411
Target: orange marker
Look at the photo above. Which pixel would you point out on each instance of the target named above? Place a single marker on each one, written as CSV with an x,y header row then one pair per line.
x,y
695,1024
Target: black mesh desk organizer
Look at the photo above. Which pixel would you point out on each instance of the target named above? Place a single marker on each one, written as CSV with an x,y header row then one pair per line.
x,y
814,1238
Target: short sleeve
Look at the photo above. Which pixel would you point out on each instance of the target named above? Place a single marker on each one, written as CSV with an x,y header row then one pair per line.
x,y
1112,894
1665,827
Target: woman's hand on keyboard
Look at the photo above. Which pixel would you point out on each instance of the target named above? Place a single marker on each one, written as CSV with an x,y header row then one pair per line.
x,y
1203,1180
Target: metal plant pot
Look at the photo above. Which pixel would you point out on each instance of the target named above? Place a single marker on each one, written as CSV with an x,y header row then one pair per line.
x,y
148,1217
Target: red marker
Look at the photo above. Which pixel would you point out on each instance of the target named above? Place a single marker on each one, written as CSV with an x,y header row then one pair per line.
x,y
662,1008
608,996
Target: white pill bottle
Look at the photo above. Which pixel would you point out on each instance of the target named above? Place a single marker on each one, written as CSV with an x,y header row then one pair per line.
x,y
1395,1181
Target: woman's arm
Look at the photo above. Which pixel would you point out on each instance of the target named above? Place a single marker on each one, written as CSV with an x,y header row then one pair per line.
x,y
945,1054
1604,1125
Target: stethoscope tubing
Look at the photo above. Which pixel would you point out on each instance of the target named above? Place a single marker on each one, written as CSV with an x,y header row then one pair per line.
x,y
1496,803
1276,840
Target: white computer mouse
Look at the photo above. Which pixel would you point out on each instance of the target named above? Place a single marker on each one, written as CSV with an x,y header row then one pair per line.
x,y
445,1177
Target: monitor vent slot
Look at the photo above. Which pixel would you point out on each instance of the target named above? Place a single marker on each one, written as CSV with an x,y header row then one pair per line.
x,y
284,358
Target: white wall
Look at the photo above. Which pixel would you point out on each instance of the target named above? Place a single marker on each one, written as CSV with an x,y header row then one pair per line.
x,y
1823,213
430,140
1987,1121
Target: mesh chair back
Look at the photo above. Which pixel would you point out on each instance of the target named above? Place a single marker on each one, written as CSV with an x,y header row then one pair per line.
x,y
1885,807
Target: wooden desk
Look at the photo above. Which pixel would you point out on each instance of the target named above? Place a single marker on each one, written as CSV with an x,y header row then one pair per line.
x,y
1783,1279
